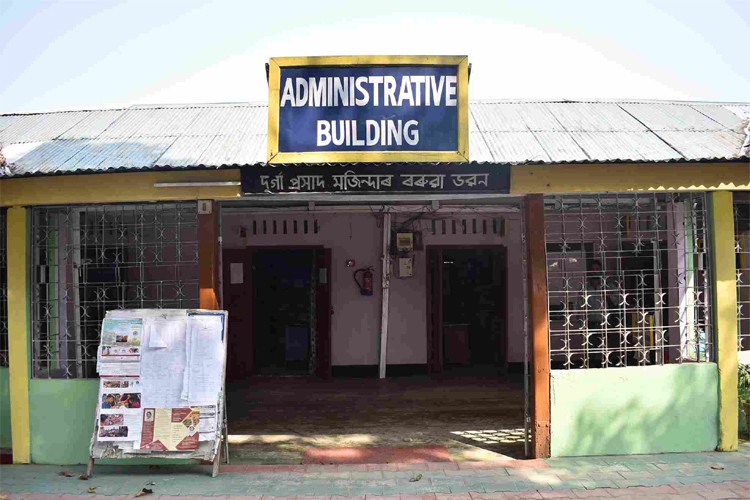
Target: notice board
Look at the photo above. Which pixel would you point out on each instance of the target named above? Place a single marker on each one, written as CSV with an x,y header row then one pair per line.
x,y
161,385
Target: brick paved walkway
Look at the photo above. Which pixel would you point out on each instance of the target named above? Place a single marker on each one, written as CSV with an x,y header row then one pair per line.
x,y
679,476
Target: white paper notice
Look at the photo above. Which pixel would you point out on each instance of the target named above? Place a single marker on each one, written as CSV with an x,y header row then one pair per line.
x,y
236,274
162,369
160,330
207,424
132,369
206,353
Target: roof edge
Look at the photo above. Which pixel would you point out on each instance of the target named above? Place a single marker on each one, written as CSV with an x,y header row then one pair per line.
x,y
166,168
475,101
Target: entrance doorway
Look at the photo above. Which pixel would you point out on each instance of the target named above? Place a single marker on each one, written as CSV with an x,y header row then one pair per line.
x,y
279,311
467,309
466,413
284,322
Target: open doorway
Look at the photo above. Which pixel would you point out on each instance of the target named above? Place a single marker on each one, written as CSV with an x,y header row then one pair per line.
x,y
467,310
279,311
466,413
284,283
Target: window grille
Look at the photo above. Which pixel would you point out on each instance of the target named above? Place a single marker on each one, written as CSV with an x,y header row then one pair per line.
x,y
91,259
742,251
3,287
628,279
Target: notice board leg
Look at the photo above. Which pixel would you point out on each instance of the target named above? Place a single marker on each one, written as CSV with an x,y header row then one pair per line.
x,y
90,466
225,432
217,461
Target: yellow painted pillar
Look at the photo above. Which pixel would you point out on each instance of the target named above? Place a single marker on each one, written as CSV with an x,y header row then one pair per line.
x,y
725,315
18,332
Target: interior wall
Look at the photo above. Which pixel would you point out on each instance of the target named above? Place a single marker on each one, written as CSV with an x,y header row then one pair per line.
x,y
407,330
356,318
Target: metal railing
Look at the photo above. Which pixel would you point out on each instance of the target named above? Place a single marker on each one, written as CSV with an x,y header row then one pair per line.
x,y
742,251
94,258
628,279
3,287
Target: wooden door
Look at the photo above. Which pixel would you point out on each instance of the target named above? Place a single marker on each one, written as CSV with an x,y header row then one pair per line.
x,y
501,308
435,310
238,298
323,313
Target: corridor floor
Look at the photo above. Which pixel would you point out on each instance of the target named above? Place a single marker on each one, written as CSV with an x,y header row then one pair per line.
x,y
275,420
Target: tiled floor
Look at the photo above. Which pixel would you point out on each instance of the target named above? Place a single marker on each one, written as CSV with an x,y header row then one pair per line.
x,y
476,415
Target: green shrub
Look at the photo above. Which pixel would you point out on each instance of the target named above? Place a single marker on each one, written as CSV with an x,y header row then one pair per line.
x,y
744,383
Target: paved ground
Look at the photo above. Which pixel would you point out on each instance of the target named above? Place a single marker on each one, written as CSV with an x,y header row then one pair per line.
x,y
678,476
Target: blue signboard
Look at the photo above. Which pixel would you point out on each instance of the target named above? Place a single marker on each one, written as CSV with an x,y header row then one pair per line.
x,y
325,110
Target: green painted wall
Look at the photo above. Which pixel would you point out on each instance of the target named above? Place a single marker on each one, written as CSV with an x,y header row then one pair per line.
x,y
653,409
62,420
62,423
5,441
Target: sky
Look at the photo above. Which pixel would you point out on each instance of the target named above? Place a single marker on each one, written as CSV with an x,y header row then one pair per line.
x,y
59,55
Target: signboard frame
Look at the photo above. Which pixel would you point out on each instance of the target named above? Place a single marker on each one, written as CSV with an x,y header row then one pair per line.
x,y
276,64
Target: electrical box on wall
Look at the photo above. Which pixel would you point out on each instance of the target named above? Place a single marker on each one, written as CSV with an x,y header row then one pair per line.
x,y
405,242
405,267
204,207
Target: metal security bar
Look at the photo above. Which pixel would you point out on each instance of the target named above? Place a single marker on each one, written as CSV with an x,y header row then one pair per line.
x,y
628,280
3,287
91,259
742,250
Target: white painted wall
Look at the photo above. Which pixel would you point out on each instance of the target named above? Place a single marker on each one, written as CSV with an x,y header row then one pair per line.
x,y
356,319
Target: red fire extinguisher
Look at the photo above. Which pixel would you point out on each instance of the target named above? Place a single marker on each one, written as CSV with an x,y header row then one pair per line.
x,y
365,287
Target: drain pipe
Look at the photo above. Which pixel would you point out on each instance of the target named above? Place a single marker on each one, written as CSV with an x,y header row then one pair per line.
x,y
386,285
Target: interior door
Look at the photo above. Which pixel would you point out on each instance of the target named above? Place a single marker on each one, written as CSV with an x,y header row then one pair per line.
x,y
435,310
323,313
501,307
238,298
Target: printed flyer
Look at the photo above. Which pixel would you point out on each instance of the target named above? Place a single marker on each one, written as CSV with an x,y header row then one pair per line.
x,y
119,426
170,429
118,361
122,332
120,416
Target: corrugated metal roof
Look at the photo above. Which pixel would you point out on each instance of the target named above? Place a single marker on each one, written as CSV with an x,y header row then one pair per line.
x,y
216,135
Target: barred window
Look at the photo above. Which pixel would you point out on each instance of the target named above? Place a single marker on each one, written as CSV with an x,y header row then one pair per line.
x,y
3,287
91,259
742,250
628,280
